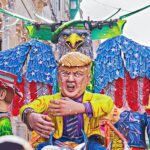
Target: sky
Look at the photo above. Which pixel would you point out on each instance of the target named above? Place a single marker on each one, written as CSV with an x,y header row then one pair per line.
x,y
137,27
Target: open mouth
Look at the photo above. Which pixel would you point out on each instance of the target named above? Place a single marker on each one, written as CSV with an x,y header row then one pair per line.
x,y
70,87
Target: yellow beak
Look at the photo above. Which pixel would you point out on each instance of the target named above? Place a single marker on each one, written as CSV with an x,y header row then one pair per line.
x,y
74,41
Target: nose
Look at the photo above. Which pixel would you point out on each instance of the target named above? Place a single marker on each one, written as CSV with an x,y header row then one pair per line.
x,y
71,77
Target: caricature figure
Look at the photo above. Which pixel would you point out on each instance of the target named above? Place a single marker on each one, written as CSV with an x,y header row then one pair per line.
x,y
73,109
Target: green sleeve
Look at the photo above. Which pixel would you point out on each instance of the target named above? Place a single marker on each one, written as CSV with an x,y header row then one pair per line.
x,y
5,127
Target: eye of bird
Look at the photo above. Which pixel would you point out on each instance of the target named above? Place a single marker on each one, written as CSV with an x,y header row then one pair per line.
x,y
83,35
65,36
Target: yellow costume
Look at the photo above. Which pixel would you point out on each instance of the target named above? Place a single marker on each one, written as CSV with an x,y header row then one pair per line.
x,y
101,106
74,75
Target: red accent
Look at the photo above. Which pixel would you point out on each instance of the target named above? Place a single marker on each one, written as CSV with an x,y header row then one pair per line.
x,y
148,111
118,92
17,101
33,90
9,75
102,91
107,134
7,78
135,148
6,81
50,89
132,92
146,91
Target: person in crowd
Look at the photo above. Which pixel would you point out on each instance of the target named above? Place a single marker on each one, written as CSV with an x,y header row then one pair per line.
x,y
13,142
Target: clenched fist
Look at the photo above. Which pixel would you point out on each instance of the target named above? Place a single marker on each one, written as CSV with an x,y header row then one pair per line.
x,y
65,106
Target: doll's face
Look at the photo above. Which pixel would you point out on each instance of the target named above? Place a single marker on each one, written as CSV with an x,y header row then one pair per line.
x,y
3,93
73,80
6,95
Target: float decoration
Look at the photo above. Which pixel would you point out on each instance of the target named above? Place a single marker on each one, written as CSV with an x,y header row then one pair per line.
x,y
50,31
35,66
117,55
41,66
123,65
129,59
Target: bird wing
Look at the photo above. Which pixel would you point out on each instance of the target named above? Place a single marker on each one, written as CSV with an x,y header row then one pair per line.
x,y
117,55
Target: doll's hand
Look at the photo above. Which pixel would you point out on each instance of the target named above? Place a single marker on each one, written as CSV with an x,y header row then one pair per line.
x,y
65,106
41,123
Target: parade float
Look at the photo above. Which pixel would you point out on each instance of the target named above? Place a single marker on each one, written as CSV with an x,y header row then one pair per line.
x,y
120,69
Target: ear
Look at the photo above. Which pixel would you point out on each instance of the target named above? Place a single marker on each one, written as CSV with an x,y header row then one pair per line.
x,y
59,79
3,94
88,79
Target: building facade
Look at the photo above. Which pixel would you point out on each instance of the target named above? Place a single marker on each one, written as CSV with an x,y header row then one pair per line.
x,y
12,30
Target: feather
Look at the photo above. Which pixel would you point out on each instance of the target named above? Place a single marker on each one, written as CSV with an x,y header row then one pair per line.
x,y
118,92
132,92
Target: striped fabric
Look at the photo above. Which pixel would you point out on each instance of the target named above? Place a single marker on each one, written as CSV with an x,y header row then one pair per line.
x,y
72,126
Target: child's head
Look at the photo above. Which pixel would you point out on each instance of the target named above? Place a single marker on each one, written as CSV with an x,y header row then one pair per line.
x,y
7,86
6,94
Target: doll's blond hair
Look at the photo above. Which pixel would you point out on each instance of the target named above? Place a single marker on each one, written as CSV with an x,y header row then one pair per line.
x,y
74,59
